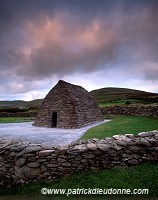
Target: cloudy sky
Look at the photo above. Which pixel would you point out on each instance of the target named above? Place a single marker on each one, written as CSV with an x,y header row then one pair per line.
x,y
93,43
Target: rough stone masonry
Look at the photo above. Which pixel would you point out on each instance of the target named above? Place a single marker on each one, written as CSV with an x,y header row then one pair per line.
x,y
67,106
137,110
22,162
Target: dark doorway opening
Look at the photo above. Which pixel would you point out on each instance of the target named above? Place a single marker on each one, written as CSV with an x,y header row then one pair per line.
x,y
54,119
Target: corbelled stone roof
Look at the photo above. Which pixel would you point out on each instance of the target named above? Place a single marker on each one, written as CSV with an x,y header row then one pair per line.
x,y
72,105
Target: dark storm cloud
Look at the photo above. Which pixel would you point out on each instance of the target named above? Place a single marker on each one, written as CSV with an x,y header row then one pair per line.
x,y
42,38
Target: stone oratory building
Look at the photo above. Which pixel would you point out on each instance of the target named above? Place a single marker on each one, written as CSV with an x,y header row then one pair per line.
x,y
67,106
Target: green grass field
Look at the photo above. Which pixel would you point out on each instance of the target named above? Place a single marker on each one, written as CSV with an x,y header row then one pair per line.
x,y
14,119
122,125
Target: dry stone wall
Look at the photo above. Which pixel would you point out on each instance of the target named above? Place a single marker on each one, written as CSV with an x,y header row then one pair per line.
x,y
19,114
22,162
115,110
131,110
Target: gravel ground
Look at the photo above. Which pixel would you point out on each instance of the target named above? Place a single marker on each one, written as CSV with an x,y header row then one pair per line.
x,y
54,136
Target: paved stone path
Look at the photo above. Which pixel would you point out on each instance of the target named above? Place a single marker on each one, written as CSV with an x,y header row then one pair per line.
x,y
54,136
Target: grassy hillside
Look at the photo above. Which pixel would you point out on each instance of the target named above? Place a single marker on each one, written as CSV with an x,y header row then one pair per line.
x,y
36,102
16,103
19,103
121,96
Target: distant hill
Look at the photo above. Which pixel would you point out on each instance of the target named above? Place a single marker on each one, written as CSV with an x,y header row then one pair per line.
x,y
114,94
20,103
102,95
16,103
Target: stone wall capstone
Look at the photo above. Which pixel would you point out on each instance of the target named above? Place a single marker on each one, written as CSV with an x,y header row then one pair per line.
x,y
22,162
